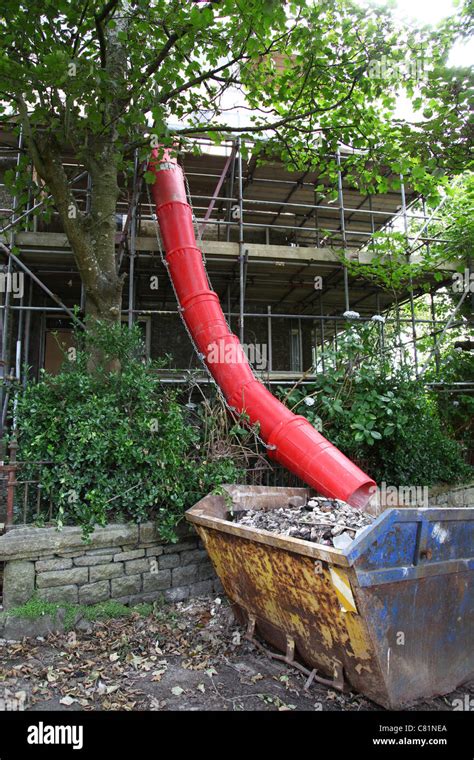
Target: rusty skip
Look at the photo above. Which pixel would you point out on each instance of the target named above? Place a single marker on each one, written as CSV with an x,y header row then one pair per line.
x,y
391,616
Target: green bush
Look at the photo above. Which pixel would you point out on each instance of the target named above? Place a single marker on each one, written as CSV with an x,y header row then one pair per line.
x,y
380,416
120,445
456,406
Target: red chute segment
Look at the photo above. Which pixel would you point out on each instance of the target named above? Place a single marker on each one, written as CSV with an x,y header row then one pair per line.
x,y
297,445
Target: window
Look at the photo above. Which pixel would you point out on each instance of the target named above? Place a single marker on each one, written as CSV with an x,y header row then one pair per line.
x,y
59,339
295,350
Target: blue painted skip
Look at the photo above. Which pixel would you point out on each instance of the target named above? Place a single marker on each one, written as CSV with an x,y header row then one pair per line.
x,y
414,543
414,569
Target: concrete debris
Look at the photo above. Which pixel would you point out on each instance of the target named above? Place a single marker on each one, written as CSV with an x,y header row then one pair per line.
x,y
330,522
343,540
296,501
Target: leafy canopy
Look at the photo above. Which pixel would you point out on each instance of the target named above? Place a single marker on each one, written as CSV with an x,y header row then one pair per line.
x,y
313,74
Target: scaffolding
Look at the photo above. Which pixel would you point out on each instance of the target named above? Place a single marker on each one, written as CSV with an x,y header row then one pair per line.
x,y
268,236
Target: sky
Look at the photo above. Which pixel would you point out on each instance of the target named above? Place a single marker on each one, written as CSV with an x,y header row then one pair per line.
x,y
420,12
431,12
426,12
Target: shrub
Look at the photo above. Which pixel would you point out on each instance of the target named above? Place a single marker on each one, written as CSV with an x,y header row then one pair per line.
x,y
120,445
456,404
380,416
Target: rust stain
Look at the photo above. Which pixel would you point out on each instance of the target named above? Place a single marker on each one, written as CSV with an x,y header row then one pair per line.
x,y
343,617
289,595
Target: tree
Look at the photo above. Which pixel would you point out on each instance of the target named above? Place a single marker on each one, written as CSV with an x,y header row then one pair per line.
x,y
104,78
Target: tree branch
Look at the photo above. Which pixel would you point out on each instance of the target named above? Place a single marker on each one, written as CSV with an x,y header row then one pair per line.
x,y
25,122
153,67
201,78
99,19
76,40
106,11
102,43
275,125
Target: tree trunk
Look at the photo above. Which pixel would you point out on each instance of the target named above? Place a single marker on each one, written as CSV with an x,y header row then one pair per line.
x,y
92,236
104,292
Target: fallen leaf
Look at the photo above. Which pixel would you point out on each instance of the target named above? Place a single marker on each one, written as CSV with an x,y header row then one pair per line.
x,y
68,701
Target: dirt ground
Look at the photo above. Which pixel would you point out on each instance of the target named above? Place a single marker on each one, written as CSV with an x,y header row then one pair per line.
x,y
187,656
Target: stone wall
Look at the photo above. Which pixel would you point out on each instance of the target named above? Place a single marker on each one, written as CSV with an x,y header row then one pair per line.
x,y
462,496
127,563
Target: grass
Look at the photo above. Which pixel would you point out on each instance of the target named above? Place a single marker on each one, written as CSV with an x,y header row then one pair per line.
x,y
36,608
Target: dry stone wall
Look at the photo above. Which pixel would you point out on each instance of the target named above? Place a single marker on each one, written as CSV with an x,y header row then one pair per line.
x,y
127,563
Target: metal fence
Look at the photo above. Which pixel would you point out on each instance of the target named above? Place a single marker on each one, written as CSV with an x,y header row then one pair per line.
x,y
23,499
266,474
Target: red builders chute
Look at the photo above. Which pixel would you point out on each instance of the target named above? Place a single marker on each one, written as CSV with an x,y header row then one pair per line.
x,y
293,440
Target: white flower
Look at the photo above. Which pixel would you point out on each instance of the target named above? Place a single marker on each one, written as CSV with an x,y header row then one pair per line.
x,y
308,401
378,318
351,315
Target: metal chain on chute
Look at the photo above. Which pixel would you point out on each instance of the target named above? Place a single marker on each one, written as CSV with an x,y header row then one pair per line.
x,y
165,264
200,356
197,233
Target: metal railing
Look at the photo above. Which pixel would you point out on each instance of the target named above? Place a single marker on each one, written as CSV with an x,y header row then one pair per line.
x,y
271,475
23,499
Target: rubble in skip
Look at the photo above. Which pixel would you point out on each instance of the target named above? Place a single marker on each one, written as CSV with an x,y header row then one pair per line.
x,y
329,522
